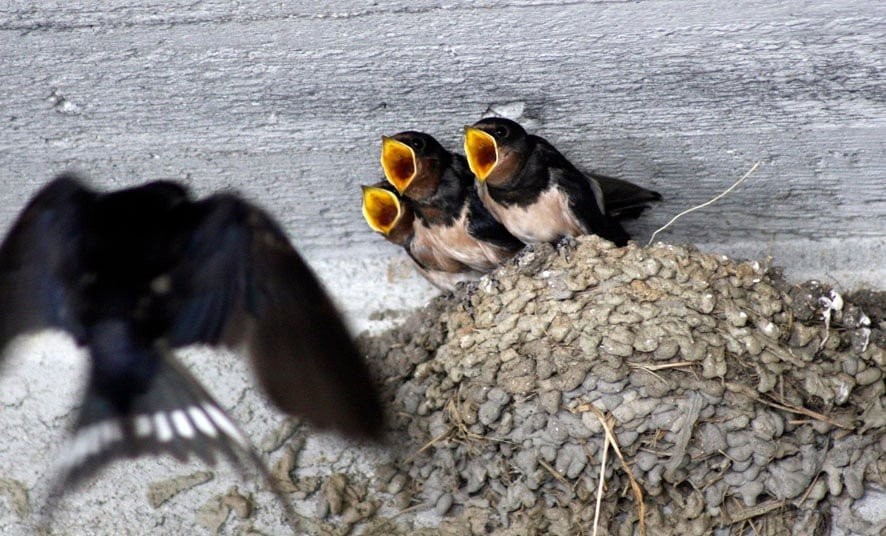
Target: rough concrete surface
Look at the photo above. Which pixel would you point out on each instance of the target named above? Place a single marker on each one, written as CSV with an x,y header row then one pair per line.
x,y
287,103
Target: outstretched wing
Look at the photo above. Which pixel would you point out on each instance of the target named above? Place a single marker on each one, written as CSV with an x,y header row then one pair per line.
x,y
241,281
175,415
40,261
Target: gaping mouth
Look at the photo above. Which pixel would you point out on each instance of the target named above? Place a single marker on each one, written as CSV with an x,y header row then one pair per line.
x,y
398,161
381,209
482,152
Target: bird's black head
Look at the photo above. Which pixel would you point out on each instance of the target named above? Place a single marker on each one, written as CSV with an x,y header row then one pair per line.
x,y
424,145
503,130
413,163
495,148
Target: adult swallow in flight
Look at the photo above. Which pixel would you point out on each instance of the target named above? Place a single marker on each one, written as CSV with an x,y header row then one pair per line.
x,y
392,216
451,219
134,274
538,194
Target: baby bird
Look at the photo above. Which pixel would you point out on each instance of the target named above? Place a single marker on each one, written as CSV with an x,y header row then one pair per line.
x,y
538,195
392,216
451,220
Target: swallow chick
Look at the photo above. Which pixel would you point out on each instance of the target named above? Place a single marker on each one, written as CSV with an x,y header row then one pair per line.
x,y
392,216
451,220
133,275
538,195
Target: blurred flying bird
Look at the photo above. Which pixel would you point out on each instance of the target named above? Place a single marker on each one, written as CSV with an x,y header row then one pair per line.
x,y
136,273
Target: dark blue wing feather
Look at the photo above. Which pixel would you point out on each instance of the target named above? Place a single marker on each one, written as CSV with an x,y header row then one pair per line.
x,y
623,199
583,197
241,281
211,280
40,262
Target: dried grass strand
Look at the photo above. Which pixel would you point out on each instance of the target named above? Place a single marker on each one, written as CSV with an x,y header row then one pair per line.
x,y
705,204
635,486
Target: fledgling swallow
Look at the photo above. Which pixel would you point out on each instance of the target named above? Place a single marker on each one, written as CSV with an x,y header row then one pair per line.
x,y
385,213
392,216
538,194
450,219
136,273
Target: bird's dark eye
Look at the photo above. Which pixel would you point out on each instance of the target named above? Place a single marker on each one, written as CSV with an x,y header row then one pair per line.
x,y
500,132
416,143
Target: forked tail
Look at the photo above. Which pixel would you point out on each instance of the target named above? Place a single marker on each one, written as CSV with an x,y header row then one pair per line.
x,y
175,415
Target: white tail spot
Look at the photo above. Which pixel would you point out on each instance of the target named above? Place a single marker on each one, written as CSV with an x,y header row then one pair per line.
x,y
182,424
202,421
164,430
88,441
77,448
223,422
110,432
143,425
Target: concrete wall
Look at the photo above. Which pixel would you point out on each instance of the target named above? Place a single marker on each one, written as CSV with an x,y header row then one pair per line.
x,y
288,103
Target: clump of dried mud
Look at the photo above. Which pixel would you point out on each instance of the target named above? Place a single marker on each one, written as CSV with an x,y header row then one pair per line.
x,y
730,400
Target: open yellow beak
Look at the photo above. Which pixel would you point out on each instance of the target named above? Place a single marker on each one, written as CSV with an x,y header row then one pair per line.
x,y
381,208
398,162
482,152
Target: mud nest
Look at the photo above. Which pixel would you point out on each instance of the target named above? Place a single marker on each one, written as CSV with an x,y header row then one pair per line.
x,y
739,403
